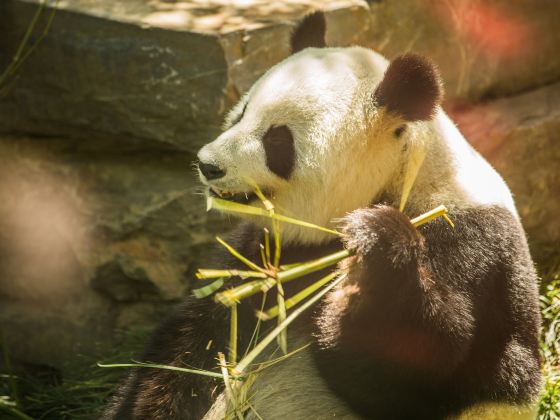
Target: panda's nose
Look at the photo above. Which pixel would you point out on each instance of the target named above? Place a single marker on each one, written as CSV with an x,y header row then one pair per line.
x,y
211,171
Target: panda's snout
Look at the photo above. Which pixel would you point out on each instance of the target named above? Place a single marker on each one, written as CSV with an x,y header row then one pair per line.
x,y
211,171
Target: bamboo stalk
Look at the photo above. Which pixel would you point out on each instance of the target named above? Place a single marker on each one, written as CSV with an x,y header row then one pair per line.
x,y
228,297
247,360
233,336
298,297
229,206
237,255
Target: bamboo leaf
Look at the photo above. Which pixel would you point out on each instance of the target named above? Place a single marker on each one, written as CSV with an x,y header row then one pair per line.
x,y
209,289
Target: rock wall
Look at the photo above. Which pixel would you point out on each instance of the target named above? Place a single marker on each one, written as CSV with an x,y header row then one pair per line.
x,y
100,224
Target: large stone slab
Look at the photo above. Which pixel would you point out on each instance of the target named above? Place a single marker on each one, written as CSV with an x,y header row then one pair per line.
x,y
520,136
93,237
162,72
484,48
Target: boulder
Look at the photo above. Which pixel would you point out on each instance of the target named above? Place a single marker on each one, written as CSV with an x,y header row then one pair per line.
x,y
163,73
93,238
484,48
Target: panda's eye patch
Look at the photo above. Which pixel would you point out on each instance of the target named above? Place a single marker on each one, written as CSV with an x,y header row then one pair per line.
x,y
399,131
279,149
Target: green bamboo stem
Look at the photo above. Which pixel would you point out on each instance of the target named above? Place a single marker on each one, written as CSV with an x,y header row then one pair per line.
x,y
209,273
233,336
231,296
298,297
228,206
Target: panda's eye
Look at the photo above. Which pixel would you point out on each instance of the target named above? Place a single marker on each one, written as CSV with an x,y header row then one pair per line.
x,y
399,131
279,148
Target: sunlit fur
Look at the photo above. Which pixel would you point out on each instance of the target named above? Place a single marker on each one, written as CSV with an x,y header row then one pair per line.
x,y
347,155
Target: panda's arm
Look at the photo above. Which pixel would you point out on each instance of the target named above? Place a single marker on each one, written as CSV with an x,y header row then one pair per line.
x,y
419,304
182,341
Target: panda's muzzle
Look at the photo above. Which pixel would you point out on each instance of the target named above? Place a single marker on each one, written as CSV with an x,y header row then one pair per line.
x,y
241,198
211,171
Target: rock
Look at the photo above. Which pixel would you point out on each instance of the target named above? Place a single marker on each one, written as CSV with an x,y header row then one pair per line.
x,y
519,136
483,48
163,73
91,238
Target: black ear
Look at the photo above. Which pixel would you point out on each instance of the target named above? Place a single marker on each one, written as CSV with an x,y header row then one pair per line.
x,y
310,32
411,87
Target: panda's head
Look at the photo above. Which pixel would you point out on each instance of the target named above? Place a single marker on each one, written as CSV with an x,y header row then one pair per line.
x,y
324,132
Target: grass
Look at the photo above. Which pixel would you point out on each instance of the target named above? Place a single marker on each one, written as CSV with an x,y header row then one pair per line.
x,y
549,408
81,394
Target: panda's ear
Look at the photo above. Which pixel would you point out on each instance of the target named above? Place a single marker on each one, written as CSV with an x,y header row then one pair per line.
x,y
310,32
411,88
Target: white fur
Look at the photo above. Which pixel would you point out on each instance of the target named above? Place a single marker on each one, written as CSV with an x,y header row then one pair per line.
x,y
346,153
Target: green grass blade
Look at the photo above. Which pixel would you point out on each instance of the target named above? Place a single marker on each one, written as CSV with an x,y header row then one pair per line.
x,y
166,367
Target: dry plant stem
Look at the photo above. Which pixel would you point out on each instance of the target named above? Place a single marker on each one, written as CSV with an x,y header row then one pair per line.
x,y
208,273
230,393
247,360
233,336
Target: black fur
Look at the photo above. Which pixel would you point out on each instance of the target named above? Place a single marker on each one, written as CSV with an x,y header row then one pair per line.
x,y
280,152
432,320
411,88
310,32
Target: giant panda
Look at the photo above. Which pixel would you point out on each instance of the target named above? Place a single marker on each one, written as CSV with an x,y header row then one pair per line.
x,y
432,322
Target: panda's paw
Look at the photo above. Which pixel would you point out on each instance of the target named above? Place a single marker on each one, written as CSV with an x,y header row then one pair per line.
x,y
382,232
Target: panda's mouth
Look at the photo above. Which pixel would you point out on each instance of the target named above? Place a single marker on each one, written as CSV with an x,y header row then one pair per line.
x,y
241,198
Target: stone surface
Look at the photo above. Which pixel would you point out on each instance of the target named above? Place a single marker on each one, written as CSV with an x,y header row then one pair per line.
x,y
163,73
520,136
166,72
92,239
483,48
